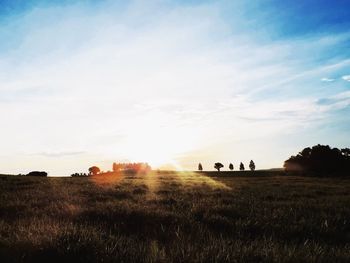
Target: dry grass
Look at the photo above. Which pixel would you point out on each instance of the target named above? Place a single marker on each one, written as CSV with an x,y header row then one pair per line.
x,y
175,217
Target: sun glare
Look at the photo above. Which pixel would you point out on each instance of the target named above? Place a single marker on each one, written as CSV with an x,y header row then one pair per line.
x,y
160,147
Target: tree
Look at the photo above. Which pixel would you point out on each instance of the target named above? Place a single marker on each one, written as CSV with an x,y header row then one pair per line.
x,y
320,159
241,166
37,173
200,167
345,152
252,165
230,166
79,175
218,166
94,170
131,168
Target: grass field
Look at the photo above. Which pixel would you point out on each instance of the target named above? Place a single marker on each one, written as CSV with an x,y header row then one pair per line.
x,y
175,217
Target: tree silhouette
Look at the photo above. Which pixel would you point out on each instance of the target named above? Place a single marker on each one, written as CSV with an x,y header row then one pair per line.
x,y
200,167
241,166
131,168
320,159
230,166
94,170
79,175
37,173
218,166
252,165
345,152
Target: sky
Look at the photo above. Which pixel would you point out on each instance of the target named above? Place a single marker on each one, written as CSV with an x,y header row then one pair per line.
x,y
172,83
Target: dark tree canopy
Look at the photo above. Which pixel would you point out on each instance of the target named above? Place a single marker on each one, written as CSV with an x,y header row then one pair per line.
x,y
218,166
37,173
252,165
200,167
241,166
94,170
345,152
320,159
79,175
230,166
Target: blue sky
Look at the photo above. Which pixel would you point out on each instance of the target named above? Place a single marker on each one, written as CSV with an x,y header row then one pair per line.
x,y
173,83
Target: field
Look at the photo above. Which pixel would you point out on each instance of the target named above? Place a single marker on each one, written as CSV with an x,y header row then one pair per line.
x,y
175,217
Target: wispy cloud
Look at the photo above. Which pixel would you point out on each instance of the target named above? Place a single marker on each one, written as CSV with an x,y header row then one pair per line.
x,y
327,80
59,154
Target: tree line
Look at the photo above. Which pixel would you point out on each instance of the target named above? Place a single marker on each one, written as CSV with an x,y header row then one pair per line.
x,y
319,159
129,168
219,165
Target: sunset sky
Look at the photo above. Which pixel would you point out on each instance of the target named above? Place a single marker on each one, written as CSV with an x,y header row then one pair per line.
x,y
172,83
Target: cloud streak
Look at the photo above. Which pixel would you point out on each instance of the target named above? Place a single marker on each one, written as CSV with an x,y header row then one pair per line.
x,y
327,80
58,154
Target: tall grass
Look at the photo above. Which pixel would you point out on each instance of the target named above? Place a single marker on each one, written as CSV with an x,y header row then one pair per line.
x,y
174,217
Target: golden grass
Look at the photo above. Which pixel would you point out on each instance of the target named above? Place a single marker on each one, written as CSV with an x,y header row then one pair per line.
x,y
174,217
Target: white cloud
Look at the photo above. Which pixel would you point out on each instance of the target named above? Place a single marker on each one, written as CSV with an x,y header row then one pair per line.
x,y
327,80
346,77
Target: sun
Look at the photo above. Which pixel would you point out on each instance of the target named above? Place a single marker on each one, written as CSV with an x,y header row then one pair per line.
x,y
158,146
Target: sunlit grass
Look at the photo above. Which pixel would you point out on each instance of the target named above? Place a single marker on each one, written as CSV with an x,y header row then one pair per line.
x,y
174,217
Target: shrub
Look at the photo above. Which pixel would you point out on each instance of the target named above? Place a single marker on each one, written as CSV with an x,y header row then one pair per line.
x,y
37,173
